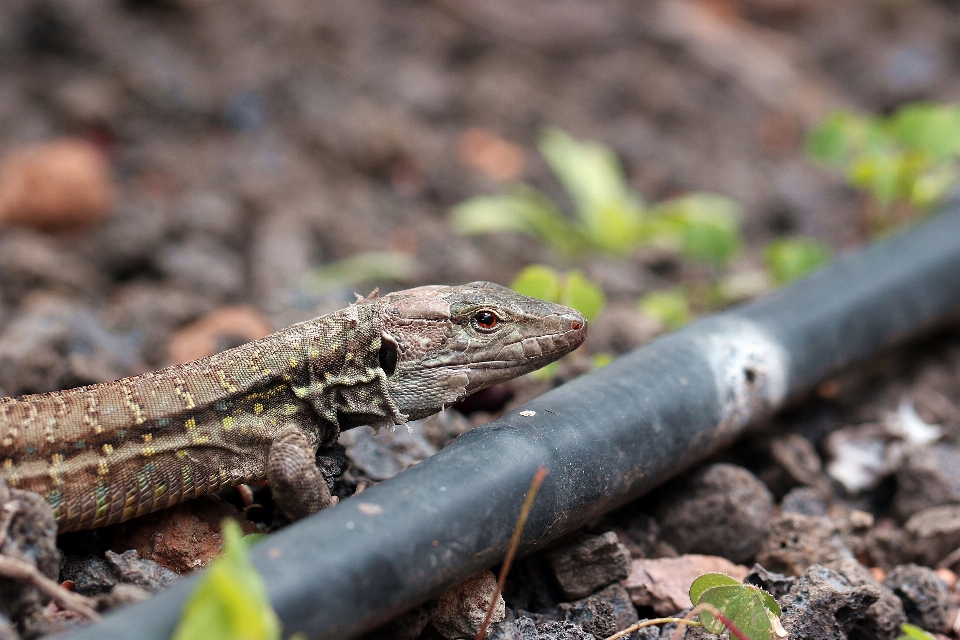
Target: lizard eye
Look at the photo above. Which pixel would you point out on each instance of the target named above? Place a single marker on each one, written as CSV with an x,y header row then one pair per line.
x,y
486,321
388,355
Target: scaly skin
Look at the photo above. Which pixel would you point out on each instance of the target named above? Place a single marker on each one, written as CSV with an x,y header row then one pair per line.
x,y
104,453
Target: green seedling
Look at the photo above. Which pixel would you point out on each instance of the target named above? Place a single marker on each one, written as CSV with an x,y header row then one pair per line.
x,y
913,632
749,609
572,289
790,259
906,162
671,308
608,217
230,600
724,604
362,268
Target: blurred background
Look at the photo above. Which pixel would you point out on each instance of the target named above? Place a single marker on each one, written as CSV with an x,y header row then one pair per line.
x,y
180,176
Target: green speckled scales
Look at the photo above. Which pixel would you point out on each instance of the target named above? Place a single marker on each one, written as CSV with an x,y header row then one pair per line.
x,y
108,452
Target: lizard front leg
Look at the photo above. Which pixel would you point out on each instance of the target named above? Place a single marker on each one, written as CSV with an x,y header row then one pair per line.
x,y
298,486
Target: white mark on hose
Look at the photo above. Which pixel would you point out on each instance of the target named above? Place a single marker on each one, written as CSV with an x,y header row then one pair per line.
x,y
750,370
528,414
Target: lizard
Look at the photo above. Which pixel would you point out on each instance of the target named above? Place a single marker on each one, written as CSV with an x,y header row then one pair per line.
x,y
104,453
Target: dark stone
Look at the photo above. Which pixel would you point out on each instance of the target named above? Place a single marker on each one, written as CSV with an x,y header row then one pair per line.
x,y
618,597
805,501
31,538
794,462
583,563
930,535
563,630
884,617
924,597
93,575
596,616
722,510
823,605
927,477
776,584
796,541
646,633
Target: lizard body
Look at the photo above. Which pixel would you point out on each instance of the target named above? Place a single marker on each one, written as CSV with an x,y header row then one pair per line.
x,y
104,453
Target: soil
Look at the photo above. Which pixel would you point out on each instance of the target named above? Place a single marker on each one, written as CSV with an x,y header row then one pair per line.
x,y
217,151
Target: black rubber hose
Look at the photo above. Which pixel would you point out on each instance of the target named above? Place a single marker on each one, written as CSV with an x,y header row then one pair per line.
x,y
606,438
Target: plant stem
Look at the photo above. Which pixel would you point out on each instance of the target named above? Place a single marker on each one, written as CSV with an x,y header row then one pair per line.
x,y
538,478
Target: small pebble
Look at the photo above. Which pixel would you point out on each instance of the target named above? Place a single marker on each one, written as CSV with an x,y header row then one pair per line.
x,y
60,184
226,327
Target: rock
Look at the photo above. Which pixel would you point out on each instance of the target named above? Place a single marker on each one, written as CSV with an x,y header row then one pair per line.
x,y
462,608
54,343
932,534
58,184
563,630
222,329
795,462
146,574
859,456
31,260
885,545
184,537
776,584
619,598
31,538
664,583
721,510
488,153
927,477
7,630
379,456
93,575
805,501
203,264
924,596
583,563
642,538
823,605
797,541
594,616
647,633
883,619
120,595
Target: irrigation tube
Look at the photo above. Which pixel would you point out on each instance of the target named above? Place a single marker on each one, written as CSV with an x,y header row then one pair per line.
x,y
606,438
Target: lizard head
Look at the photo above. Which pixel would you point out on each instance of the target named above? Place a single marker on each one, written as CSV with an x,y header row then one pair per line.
x,y
440,344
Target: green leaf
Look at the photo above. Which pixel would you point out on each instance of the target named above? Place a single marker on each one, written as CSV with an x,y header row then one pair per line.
x,y
255,538
671,308
913,632
583,295
708,226
929,127
538,281
572,289
524,210
361,268
610,214
600,360
790,259
833,140
744,605
708,581
230,600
